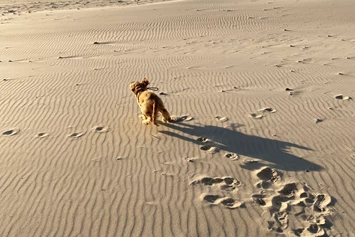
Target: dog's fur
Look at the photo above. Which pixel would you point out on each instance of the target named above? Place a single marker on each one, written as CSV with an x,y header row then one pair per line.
x,y
149,103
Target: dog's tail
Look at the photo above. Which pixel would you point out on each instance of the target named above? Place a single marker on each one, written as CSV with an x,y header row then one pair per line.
x,y
154,115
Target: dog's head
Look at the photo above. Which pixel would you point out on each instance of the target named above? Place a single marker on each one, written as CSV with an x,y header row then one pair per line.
x,y
137,86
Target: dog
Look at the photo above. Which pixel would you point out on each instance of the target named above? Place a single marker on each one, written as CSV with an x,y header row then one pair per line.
x,y
149,103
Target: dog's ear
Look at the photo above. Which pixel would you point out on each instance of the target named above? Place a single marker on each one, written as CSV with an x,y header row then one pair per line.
x,y
135,86
145,82
132,85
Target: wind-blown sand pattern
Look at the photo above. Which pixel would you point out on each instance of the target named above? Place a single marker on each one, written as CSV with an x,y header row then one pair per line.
x,y
76,160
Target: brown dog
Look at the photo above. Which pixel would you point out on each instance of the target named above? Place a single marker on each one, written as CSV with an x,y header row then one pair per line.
x,y
149,103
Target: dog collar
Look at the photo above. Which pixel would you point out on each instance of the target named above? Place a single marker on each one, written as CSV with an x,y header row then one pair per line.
x,y
139,92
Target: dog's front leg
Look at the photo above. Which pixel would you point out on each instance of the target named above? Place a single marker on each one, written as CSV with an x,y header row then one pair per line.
x,y
142,116
147,120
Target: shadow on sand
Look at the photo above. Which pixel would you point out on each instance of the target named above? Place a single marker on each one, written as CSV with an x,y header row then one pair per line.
x,y
230,140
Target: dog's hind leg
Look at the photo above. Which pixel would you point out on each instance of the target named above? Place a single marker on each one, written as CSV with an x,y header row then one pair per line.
x,y
154,114
166,115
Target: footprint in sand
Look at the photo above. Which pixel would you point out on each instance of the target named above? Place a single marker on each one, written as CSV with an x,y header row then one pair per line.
x,y
278,203
279,223
221,119
322,201
209,149
223,183
207,181
313,230
230,184
210,198
266,174
267,109
11,132
230,203
318,120
292,189
267,177
262,112
98,42
192,159
290,91
225,201
256,116
67,57
181,118
101,129
76,135
259,199
203,139
231,156
42,134
341,97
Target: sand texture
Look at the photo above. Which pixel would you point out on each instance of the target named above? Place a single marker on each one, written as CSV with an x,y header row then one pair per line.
x,y
261,91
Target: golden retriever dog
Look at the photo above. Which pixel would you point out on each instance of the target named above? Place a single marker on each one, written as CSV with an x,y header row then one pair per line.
x,y
149,103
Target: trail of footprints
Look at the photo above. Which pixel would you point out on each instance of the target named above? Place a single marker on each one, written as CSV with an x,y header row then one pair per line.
x,y
207,145
97,129
281,202
263,112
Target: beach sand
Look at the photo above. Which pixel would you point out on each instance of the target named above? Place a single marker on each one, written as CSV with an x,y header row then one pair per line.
x,y
261,91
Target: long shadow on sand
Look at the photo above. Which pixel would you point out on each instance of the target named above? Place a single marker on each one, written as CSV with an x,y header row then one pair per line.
x,y
230,140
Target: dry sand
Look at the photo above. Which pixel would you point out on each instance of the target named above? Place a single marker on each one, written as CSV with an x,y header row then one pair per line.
x,y
264,145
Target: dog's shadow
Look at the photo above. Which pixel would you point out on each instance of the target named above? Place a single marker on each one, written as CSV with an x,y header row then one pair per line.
x,y
230,140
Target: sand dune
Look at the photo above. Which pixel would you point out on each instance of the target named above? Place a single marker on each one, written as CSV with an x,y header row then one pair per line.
x,y
261,91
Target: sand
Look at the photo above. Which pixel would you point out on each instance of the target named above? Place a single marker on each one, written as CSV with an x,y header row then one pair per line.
x,y
263,145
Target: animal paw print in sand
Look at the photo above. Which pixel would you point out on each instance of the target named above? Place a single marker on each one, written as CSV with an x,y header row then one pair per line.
x,y
209,147
224,183
221,184
11,132
100,129
267,177
76,135
42,135
219,200
292,200
231,156
262,112
342,97
178,119
203,139
221,119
